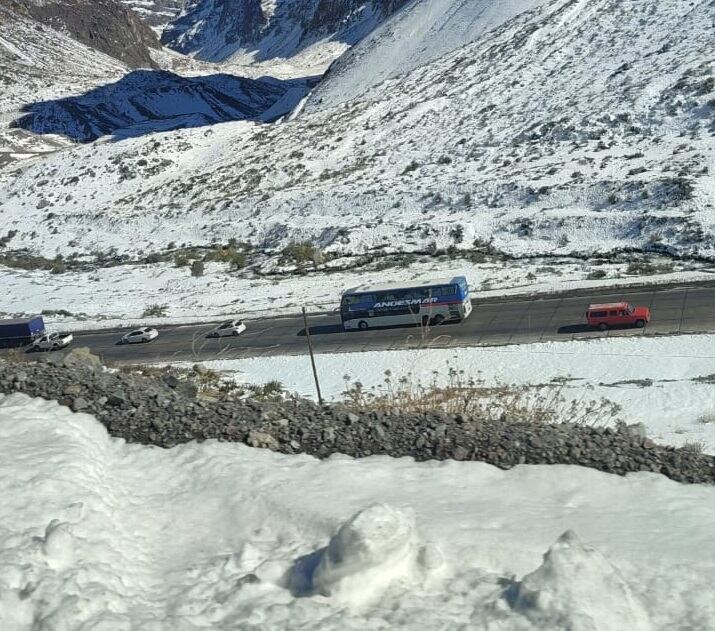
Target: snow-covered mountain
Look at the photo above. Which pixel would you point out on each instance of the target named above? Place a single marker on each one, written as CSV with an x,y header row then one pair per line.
x,y
578,126
259,30
57,88
156,13
38,62
425,31
105,25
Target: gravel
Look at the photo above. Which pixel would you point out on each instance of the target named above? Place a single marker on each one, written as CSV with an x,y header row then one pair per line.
x,y
166,411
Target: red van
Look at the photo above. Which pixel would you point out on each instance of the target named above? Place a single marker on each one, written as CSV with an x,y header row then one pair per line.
x,y
617,314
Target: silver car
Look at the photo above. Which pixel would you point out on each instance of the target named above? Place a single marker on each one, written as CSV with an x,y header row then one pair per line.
x,y
140,336
229,328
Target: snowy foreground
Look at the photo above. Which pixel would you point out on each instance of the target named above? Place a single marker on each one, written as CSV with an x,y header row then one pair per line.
x,y
98,534
667,383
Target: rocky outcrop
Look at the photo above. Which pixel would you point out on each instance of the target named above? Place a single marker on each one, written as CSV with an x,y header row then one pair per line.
x,y
217,29
105,25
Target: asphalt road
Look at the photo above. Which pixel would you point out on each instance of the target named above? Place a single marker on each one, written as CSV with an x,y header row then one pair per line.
x,y
493,322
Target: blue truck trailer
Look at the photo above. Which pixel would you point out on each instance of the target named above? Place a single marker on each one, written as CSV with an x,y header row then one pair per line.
x,y
21,331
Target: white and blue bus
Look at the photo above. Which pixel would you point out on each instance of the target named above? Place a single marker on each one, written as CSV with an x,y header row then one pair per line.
x,y
398,304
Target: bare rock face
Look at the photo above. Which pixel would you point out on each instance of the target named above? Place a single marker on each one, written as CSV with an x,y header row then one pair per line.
x,y
106,25
216,29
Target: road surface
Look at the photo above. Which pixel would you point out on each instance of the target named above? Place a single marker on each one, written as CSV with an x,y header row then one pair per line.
x,y
493,322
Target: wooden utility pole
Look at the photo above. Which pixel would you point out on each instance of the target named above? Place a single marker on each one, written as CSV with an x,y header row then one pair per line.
x,y
312,358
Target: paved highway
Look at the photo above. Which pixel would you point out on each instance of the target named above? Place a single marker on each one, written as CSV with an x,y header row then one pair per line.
x,y
493,322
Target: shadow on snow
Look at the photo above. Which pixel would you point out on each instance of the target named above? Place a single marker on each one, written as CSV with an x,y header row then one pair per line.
x,y
147,101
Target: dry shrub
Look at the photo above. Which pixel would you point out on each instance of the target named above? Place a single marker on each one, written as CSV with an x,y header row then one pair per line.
x,y
155,311
696,447
472,397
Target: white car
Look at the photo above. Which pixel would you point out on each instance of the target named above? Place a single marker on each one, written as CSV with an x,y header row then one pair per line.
x,y
232,327
52,341
138,336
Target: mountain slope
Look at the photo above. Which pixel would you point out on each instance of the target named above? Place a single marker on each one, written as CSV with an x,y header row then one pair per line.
x,y
424,31
259,30
105,25
583,126
38,62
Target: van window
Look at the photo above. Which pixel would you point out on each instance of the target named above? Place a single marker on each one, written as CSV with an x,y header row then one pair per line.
x,y
599,314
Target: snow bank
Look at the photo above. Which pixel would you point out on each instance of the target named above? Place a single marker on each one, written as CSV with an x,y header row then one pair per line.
x,y
577,587
96,533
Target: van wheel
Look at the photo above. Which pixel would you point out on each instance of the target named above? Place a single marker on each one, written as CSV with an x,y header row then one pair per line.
x,y
437,320
603,326
362,325
640,324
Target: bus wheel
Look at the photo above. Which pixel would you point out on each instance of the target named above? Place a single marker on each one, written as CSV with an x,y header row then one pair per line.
x,y
437,320
603,326
362,325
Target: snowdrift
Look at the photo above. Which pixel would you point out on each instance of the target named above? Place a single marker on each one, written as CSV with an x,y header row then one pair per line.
x,y
577,587
95,532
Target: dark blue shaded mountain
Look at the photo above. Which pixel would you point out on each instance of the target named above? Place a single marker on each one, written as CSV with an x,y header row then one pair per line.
x,y
217,29
147,101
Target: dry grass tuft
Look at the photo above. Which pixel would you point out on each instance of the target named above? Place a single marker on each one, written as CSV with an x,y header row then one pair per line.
x,y
472,397
694,447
